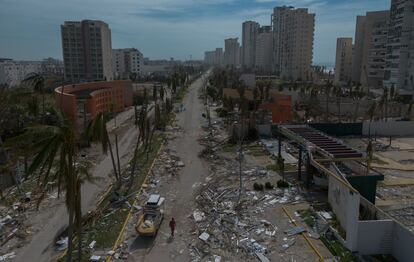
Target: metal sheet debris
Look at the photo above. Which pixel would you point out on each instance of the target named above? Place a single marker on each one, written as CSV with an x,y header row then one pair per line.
x,y
204,236
295,231
262,257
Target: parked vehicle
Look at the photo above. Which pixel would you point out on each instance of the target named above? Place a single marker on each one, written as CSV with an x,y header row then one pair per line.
x,y
153,213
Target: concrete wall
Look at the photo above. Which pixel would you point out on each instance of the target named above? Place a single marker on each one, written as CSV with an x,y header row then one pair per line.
x,y
375,237
403,243
389,128
265,130
345,205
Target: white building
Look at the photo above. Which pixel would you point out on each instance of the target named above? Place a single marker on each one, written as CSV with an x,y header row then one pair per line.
x,y
293,42
343,61
87,50
264,49
51,66
232,52
127,61
249,36
219,56
12,73
210,57
399,70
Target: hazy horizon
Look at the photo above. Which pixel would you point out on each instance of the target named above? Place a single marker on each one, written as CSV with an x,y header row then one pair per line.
x,y
162,29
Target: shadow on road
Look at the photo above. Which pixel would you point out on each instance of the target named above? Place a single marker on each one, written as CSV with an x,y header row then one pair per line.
x,y
142,242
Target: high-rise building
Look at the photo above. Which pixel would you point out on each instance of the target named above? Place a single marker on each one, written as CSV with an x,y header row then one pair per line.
x,y
232,52
358,48
209,57
293,42
249,35
87,49
126,61
343,61
264,49
218,56
399,70
370,47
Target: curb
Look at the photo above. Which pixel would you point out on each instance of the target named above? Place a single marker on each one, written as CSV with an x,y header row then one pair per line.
x,y
121,233
312,246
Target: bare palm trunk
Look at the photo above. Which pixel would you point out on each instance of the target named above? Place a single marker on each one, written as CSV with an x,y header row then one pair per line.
x,y
117,156
70,236
43,103
356,110
112,159
79,219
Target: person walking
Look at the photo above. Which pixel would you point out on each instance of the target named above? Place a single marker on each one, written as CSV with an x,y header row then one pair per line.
x,y
172,226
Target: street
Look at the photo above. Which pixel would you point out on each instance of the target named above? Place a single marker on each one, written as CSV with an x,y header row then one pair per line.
x,y
179,193
50,222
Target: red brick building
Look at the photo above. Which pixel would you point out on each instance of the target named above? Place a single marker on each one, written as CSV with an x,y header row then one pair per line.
x,y
82,102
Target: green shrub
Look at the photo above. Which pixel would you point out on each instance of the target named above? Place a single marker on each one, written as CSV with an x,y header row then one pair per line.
x,y
282,184
258,187
269,185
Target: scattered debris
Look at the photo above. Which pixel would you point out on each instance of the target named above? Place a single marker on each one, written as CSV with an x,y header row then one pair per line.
x,y
62,244
92,244
295,231
288,243
262,257
204,236
8,256
95,258
198,216
325,215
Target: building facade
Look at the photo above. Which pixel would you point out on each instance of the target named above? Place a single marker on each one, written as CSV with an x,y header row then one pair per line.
x,y
232,52
210,57
343,61
87,50
12,73
127,61
358,48
249,35
293,32
264,49
82,102
51,66
370,48
218,56
399,71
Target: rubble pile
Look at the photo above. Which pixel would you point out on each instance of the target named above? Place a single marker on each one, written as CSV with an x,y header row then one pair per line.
x,y
13,230
168,163
226,225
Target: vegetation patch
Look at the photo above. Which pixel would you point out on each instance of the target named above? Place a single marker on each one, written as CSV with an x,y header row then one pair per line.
x,y
258,187
282,184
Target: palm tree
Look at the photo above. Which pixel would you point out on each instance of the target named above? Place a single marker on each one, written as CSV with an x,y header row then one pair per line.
x,y
370,154
37,83
357,94
338,94
97,132
328,88
281,166
58,144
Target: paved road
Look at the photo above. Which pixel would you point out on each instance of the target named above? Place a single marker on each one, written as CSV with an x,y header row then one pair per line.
x,y
179,192
53,221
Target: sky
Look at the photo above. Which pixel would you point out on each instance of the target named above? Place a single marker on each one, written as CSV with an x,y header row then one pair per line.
x,y
30,29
